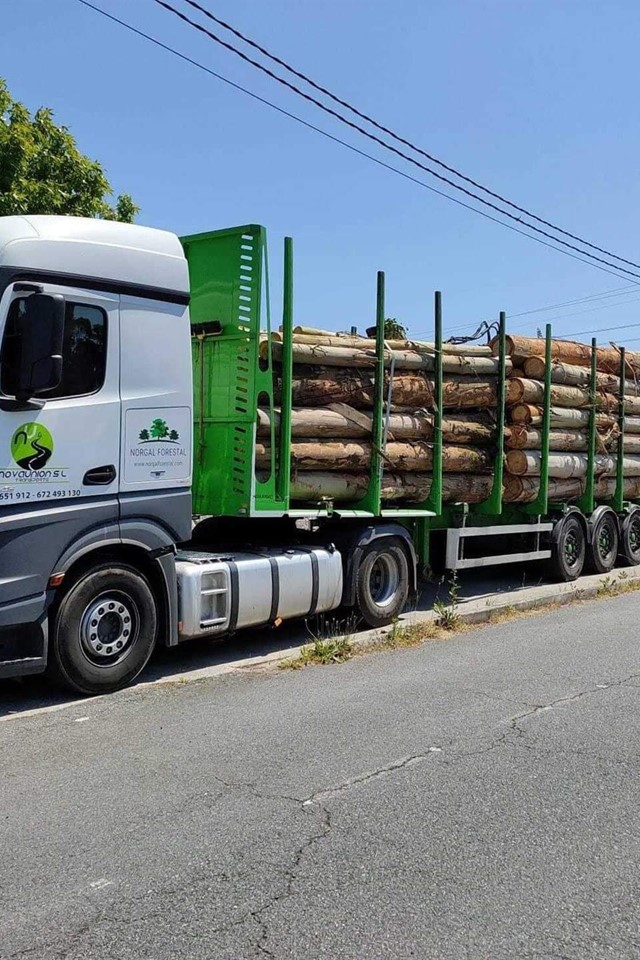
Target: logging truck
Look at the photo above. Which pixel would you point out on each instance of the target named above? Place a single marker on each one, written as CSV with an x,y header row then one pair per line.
x,y
172,466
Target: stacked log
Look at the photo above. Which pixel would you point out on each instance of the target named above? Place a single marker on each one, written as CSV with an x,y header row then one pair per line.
x,y
333,390
571,411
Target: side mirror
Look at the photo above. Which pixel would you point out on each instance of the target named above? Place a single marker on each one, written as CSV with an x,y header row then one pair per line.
x,y
41,332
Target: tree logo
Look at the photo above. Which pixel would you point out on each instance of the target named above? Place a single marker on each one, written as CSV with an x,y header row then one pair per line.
x,y
158,430
31,446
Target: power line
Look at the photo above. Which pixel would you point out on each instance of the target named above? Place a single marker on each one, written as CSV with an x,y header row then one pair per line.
x,y
622,291
580,313
616,292
582,333
343,143
387,146
363,116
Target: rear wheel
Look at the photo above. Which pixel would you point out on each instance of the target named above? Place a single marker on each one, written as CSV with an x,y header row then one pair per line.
x,y
630,537
104,629
568,548
382,584
603,549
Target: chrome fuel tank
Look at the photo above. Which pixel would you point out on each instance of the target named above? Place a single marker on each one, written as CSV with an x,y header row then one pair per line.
x,y
219,593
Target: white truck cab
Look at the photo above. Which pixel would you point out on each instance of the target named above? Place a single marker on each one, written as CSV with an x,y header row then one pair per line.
x,y
95,416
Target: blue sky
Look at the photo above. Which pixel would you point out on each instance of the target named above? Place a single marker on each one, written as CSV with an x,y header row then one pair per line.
x,y
535,98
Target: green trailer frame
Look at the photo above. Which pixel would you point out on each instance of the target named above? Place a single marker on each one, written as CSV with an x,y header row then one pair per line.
x,y
229,309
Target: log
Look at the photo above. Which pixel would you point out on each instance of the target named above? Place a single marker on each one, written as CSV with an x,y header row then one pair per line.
x,y
524,413
632,424
525,489
520,348
349,357
323,339
572,375
465,393
530,438
352,456
630,488
411,488
532,392
631,444
562,466
342,421
320,387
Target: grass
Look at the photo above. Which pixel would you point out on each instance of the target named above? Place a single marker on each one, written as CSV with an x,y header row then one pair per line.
x,y
447,615
331,642
335,640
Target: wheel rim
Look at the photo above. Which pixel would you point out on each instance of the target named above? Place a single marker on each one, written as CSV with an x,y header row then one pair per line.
x,y
606,541
634,536
384,580
109,628
572,548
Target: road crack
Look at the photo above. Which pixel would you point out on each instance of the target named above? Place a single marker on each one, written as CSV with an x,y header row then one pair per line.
x,y
323,795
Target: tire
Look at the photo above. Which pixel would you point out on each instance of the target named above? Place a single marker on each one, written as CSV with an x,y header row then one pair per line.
x,y
382,583
104,630
630,537
568,549
602,552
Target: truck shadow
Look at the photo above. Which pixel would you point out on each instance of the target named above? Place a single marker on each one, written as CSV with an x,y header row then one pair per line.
x,y
18,697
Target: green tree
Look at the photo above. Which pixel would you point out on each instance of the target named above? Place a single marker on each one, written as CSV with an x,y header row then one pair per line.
x,y
42,170
159,429
394,330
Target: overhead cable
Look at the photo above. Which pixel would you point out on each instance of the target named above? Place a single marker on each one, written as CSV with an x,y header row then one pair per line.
x,y
374,123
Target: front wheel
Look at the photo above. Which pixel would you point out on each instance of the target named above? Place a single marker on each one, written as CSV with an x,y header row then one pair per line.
x,y
104,630
382,584
568,549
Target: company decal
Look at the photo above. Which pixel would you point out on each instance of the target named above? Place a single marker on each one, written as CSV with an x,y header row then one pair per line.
x,y
31,449
158,445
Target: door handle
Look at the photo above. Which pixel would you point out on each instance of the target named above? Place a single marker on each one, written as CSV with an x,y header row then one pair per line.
x,y
99,475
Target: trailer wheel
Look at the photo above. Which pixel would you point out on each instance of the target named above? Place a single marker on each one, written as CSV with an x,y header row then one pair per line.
x,y
104,630
382,583
603,549
568,548
630,537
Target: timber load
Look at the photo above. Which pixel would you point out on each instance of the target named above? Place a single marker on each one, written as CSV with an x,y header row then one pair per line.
x,y
333,393
587,387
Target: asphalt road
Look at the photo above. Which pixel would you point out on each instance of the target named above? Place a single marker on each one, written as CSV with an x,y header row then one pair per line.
x,y
473,798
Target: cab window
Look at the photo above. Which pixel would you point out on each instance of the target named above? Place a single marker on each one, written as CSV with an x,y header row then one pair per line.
x,y
84,350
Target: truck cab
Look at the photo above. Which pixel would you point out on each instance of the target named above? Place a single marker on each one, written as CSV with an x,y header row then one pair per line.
x,y
95,414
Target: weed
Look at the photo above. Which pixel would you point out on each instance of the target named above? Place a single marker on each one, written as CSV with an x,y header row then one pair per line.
x,y
331,642
447,615
607,587
323,652
405,635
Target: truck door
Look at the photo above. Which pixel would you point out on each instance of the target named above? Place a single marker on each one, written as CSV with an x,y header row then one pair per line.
x,y
59,460
155,388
